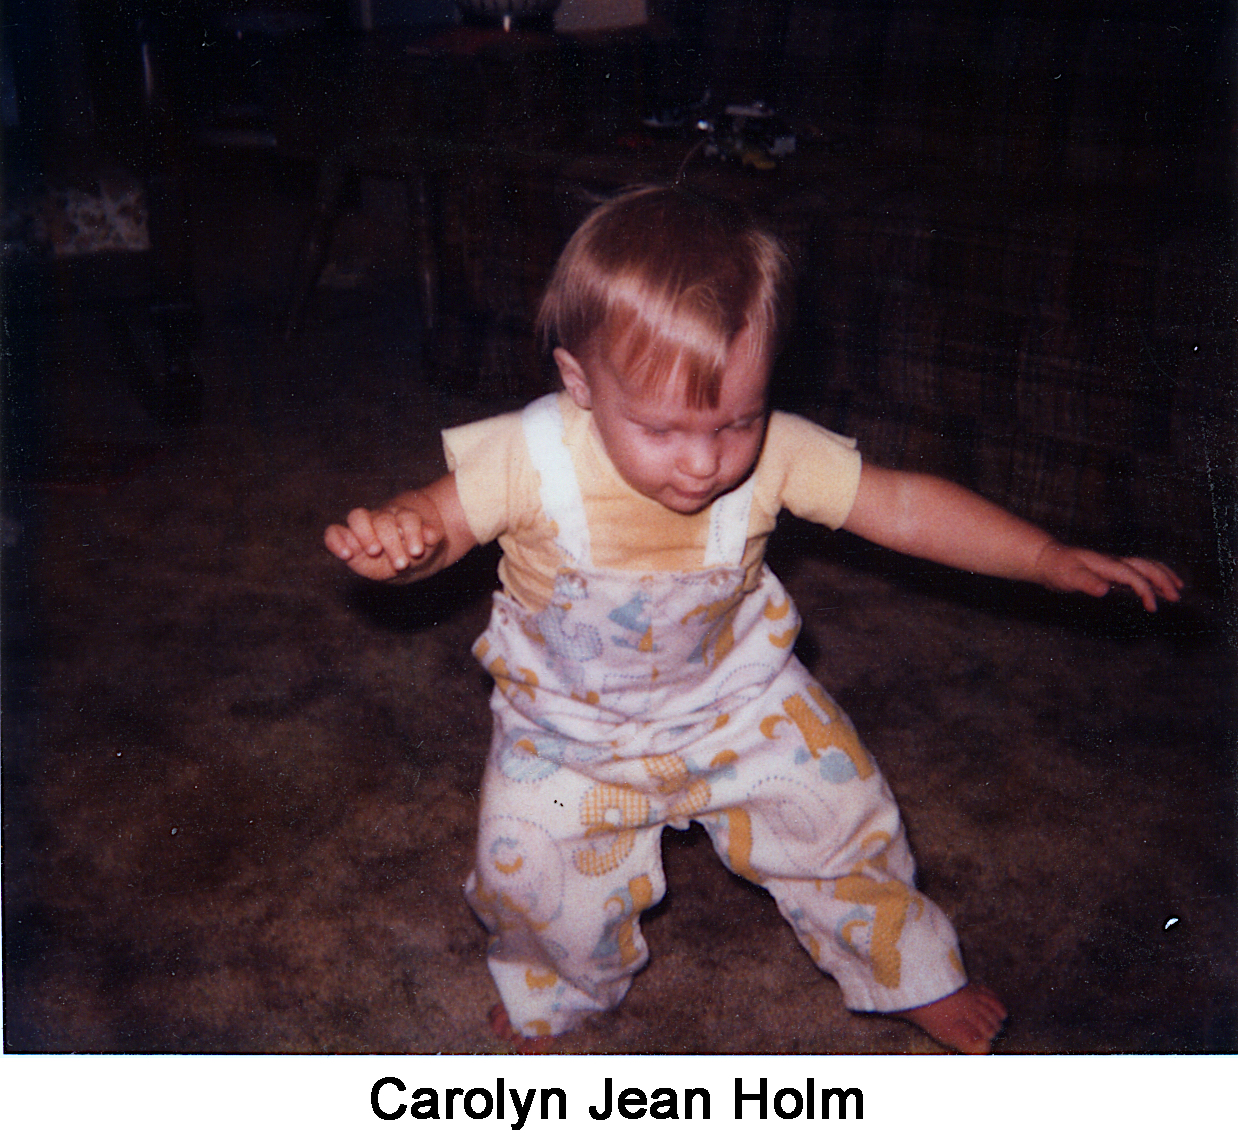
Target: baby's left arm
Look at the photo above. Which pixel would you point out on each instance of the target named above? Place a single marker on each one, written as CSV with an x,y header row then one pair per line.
x,y
928,517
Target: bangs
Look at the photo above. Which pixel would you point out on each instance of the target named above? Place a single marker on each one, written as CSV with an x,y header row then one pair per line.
x,y
662,283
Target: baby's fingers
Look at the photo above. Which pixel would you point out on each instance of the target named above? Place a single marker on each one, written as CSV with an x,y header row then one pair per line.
x,y
1147,579
400,537
419,535
361,523
342,542
1167,583
406,536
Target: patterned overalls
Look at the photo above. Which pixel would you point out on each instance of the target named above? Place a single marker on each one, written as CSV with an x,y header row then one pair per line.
x,y
634,701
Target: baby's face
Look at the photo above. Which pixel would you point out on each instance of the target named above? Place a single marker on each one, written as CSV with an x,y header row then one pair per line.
x,y
680,456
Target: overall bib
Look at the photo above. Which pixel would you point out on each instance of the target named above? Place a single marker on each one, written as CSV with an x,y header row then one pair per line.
x,y
634,701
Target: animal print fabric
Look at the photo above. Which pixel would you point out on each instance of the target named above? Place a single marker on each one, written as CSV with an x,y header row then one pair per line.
x,y
633,702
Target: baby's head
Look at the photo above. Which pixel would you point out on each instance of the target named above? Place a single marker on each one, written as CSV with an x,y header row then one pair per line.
x,y
661,283
664,312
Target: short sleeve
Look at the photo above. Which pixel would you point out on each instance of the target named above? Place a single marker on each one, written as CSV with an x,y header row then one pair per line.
x,y
817,472
490,462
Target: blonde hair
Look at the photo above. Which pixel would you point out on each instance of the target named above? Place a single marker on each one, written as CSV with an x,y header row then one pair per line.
x,y
664,281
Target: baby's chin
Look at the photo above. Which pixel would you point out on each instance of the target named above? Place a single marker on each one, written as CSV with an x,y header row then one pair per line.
x,y
686,504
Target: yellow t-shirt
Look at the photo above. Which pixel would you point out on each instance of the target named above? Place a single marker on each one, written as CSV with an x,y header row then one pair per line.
x,y
810,471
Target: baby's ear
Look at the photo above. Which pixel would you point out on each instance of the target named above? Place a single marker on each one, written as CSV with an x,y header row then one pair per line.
x,y
574,380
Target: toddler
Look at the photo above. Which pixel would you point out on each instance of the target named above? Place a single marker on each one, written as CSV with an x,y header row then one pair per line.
x,y
642,650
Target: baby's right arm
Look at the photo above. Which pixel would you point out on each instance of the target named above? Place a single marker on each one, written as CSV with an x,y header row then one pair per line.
x,y
416,534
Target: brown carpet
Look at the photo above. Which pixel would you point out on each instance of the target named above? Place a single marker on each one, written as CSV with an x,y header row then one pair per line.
x,y
240,785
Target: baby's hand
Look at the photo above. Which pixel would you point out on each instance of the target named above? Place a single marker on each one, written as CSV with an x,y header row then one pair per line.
x,y
382,543
1064,568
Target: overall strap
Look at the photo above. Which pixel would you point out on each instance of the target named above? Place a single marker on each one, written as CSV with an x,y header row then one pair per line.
x,y
561,500
728,526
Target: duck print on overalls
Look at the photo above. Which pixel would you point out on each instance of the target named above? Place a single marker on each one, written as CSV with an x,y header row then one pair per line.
x,y
610,814
617,946
573,641
832,742
634,617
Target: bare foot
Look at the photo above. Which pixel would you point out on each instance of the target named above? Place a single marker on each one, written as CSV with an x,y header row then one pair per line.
x,y
501,1025
966,1020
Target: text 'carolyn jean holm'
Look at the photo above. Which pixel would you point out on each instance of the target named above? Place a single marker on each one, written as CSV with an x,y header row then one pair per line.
x,y
391,1099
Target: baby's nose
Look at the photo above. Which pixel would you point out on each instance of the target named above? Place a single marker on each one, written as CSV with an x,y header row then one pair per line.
x,y
700,457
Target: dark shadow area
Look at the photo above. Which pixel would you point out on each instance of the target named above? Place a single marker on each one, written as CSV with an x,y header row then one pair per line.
x,y
412,608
